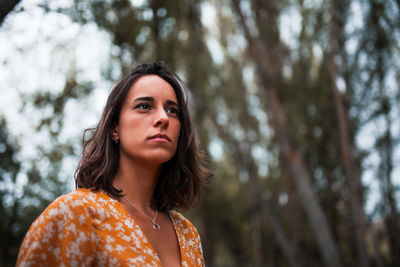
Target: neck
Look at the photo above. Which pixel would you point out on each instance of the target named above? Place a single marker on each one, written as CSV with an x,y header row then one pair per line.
x,y
137,182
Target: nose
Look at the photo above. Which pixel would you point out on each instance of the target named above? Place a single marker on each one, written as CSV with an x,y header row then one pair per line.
x,y
161,119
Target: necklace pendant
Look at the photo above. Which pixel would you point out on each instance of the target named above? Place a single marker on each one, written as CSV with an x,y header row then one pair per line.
x,y
156,226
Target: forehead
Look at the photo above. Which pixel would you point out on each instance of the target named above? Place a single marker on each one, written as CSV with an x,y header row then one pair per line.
x,y
151,85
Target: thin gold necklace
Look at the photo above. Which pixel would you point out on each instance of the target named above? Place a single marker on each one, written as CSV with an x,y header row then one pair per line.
x,y
156,226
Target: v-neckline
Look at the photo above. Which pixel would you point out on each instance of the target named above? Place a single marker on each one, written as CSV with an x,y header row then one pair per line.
x,y
145,238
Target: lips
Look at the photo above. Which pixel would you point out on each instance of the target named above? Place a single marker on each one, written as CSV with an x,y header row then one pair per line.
x,y
160,136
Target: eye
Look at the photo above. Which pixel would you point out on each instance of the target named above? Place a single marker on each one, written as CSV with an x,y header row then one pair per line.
x,y
143,107
172,111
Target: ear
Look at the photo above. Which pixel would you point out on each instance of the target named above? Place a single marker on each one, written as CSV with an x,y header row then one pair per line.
x,y
114,133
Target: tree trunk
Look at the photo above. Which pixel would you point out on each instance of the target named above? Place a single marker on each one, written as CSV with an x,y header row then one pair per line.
x,y
243,158
281,239
353,182
389,191
207,237
293,159
155,5
257,204
196,41
255,210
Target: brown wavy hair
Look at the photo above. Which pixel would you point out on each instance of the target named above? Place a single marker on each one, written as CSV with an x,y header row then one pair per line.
x,y
182,176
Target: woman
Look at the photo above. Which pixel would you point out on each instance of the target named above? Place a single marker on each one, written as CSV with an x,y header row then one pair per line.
x,y
140,164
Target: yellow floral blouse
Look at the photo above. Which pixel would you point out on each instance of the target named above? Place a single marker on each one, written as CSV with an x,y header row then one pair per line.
x,y
85,228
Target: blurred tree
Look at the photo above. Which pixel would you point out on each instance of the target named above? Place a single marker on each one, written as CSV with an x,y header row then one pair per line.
x,y
21,202
336,39
266,56
26,191
377,59
10,166
6,6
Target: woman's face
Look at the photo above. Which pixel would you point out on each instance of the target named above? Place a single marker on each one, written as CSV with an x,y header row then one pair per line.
x,y
149,126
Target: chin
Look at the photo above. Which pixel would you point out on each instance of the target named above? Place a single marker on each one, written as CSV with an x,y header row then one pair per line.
x,y
160,157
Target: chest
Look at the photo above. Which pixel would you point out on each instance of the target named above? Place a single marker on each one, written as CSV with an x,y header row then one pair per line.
x,y
164,241
124,241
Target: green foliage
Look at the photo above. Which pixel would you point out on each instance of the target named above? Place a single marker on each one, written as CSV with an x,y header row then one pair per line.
x,y
9,170
16,209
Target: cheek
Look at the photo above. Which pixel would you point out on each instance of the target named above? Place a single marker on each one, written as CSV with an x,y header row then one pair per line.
x,y
132,129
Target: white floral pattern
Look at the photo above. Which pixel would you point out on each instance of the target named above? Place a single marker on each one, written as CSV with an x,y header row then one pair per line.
x,y
86,228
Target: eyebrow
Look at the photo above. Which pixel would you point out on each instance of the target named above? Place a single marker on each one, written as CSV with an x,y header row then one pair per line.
x,y
144,98
151,99
170,102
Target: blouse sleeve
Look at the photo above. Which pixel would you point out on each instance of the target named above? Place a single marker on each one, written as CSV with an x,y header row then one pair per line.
x,y
61,236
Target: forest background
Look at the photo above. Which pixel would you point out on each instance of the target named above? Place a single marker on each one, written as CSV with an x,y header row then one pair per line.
x,y
296,102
